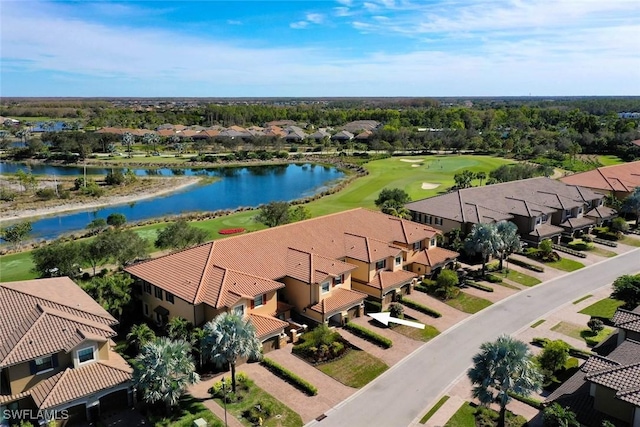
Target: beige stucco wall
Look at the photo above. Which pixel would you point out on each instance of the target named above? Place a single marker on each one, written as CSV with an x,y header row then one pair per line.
x,y
210,312
269,307
298,293
179,308
369,290
364,272
20,378
419,268
605,401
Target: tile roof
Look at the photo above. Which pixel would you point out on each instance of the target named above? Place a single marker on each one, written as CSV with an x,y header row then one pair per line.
x,y
528,198
544,230
368,249
390,279
313,268
625,380
267,325
340,299
45,316
435,256
580,222
628,320
601,212
624,177
72,384
197,274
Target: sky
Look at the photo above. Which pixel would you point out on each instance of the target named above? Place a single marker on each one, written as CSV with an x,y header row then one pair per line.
x,y
319,48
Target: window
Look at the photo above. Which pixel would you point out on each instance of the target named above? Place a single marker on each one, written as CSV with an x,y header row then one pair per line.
x,y
85,355
158,293
380,265
147,287
567,213
417,246
399,260
538,220
169,297
44,364
258,301
545,217
338,280
239,310
579,211
438,221
429,220
326,286
433,242
145,309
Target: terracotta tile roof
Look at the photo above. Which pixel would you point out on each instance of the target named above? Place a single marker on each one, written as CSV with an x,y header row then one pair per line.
x,y
628,320
45,316
435,256
527,197
267,325
166,132
313,268
625,380
72,384
193,273
624,177
598,363
390,279
545,230
340,299
368,249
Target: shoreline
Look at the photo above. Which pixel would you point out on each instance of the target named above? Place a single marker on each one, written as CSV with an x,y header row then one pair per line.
x,y
99,203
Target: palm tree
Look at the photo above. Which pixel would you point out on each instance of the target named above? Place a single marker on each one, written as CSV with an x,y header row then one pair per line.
x,y
503,366
229,337
481,176
139,335
178,328
510,239
632,204
163,370
197,340
127,140
483,240
392,208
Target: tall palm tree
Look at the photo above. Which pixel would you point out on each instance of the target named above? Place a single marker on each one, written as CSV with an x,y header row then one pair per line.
x,y
483,240
503,366
127,141
163,370
510,239
139,335
481,176
229,337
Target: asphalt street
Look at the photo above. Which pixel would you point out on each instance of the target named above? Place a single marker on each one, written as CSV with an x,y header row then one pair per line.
x,y
402,395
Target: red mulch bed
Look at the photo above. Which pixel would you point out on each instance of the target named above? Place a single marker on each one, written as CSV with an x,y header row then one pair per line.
x,y
231,231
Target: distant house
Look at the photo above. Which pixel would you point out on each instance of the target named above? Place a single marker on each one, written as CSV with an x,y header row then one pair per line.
x,y
360,125
364,135
342,136
541,208
294,134
319,135
56,352
617,180
607,387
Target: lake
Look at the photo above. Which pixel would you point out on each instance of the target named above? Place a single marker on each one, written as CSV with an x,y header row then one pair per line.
x,y
238,187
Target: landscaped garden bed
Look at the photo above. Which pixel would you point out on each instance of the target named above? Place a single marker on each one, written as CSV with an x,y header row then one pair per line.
x,y
188,410
581,333
231,230
253,406
470,415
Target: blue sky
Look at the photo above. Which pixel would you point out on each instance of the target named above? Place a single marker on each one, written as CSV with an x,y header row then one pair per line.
x,y
320,48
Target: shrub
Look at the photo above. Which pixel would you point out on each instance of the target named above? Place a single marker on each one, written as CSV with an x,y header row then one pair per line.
x,y
92,189
579,245
7,195
619,225
479,286
492,278
114,178
396,310
369,335
526,399
46,193
596,325
290,377
421,308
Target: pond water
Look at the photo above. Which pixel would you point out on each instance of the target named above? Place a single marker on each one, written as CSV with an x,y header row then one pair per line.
x,y
238,187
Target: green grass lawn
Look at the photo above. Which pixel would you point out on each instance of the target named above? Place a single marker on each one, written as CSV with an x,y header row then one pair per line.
x,y
393,172
581,333
602,252
468,303
16,267
426,334
579,300
565,264
631,241
523,279
610,160
189,410
538,323
434,409
355,369
464,417
256,396
605,308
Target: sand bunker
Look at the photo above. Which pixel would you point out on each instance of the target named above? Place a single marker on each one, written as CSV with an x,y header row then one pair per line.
x,y
429,186
416,166
411,160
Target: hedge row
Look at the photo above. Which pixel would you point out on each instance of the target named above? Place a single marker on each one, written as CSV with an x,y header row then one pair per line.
x,y
526,265
527,400
369,335
575,352
290,377
421,308
421,288
479,286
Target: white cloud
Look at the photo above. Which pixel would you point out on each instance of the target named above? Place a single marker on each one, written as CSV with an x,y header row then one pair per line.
x,y
316,18
342,11
345,2
299,25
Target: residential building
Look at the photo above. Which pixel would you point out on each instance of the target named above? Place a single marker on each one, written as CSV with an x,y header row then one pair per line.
x,y
541,208
617,180
608,387
342,136
314,271
56,352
